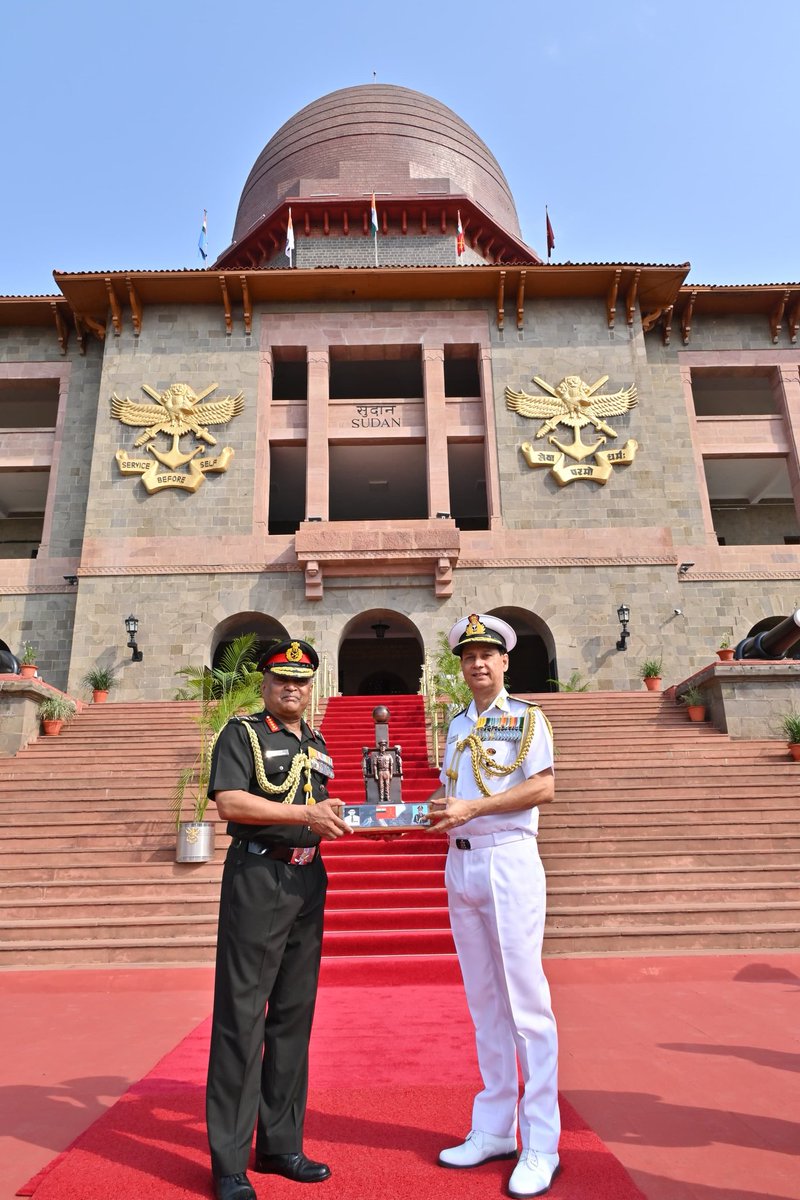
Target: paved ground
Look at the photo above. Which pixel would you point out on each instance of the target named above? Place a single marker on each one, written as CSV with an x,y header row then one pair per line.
x,y
687,1067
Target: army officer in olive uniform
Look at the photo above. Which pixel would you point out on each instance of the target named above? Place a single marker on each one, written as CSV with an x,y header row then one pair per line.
x,y
269,779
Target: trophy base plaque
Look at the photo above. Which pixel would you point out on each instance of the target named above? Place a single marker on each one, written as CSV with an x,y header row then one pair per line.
x,y
378,818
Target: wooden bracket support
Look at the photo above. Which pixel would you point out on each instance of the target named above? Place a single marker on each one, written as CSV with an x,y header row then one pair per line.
x,y
116,311
651,319
226,304
631,296
501,296
793,320
62,330
667,325
611,298
776,316
247,311
521,300
686,318
136,308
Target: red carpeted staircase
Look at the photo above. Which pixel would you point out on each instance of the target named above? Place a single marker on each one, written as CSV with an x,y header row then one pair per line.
x,y
665,836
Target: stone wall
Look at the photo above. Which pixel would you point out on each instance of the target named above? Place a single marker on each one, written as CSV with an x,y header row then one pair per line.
x,y
659,489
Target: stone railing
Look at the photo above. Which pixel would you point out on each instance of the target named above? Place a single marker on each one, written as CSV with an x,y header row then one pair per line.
x,y
747,699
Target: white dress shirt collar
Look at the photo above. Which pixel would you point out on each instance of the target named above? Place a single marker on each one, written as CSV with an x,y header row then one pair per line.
x,y
500,701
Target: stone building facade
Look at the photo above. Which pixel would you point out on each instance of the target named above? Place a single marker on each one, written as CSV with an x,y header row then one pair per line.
x,y
379,484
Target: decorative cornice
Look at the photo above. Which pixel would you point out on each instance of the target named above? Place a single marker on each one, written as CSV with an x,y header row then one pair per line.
x,y
641,560
733,575
34,589
188,569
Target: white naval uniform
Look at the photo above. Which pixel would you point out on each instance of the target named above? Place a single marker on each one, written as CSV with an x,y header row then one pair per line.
x,y
496,896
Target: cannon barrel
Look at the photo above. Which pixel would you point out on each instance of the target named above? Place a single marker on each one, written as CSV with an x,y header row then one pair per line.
x,y
773,643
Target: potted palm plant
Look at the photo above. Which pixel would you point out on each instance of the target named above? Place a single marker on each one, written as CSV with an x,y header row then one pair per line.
x,y
650,672
725,652
695,706
53,712
101,680
27,663
233,687
790,724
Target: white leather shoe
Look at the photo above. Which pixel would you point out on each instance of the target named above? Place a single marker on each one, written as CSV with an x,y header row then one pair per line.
x,y
479,1147
533,1174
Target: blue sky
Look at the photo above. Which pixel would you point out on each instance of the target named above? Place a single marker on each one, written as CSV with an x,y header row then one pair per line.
x,y
654,133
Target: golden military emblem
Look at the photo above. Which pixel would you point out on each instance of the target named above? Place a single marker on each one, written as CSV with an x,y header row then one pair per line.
x,y
575,404
177,411
294,653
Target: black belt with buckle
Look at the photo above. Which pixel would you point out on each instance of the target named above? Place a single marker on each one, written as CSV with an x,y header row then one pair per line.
x,y
296,856
463,844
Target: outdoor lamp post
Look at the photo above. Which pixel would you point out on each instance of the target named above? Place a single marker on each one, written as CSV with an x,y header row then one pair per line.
x,y
623,616
132,626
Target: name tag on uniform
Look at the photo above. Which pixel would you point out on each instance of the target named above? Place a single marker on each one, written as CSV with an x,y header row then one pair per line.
x,y
276,754
321,763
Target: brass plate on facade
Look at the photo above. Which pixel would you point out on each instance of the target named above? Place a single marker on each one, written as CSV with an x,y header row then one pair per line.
x,y
575,404
177,411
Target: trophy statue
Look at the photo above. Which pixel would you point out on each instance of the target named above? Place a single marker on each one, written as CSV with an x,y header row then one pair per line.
x,y
382,769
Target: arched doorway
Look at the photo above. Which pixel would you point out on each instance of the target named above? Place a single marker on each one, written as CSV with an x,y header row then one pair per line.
x,y
380,654
533,660
266,628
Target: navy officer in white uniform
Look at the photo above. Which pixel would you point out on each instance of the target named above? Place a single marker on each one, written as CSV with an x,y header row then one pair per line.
x,y
497,771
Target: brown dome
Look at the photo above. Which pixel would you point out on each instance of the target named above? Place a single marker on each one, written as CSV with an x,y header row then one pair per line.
x,y
375,137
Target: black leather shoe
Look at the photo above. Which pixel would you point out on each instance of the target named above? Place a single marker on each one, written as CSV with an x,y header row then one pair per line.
x,y
292,1166
233,1187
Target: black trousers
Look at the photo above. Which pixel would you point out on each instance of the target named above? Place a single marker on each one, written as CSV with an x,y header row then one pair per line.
x,y
268,955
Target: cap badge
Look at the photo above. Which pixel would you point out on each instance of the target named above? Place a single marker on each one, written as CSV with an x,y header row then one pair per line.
x,y
474,626
294,653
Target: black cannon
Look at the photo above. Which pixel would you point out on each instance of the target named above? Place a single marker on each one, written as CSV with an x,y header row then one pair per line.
x,y
777,642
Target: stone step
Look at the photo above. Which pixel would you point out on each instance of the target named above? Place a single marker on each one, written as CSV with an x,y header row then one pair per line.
x,y
730,860
204,924
669,876
660,939
717,915
195,950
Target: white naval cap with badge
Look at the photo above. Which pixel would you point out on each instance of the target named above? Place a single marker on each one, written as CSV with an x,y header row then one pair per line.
x,y
481,630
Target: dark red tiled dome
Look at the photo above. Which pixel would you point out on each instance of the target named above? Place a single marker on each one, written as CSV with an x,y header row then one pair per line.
x,y
375,137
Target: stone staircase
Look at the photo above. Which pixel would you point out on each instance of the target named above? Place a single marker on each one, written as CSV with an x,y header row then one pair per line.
x,y
665,837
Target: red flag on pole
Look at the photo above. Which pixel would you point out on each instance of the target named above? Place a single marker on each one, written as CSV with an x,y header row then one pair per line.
x,y
551,237
459,236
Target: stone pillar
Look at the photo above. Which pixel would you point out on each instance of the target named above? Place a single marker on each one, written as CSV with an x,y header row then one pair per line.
x,y
317,458
435,430
490,441
263,420
789,377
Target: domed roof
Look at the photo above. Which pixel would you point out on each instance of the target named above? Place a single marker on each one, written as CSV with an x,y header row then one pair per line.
x,y
375,137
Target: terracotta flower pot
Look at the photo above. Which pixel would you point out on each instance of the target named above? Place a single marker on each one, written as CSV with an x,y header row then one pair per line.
x,y
99,696
725,655
27,670
697,712
51,728
794,750
652,683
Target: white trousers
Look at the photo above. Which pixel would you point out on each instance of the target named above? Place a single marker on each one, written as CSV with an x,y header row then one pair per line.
x,y
496,897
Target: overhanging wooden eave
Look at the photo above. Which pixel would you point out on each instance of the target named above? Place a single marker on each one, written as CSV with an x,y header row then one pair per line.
x,y
88,292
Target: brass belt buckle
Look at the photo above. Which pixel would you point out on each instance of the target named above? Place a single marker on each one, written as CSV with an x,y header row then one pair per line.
x,y
302,855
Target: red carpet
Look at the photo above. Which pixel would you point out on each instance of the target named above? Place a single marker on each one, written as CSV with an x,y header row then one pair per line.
x,y
393,1075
